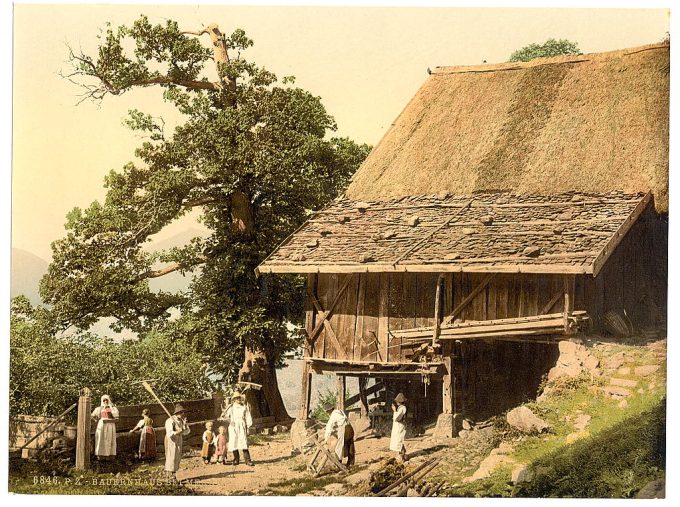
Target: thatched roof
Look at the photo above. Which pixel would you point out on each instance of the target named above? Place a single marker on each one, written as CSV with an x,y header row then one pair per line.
x,y
499,232
588,123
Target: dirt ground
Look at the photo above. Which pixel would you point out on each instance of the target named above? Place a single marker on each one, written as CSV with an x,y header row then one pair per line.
x,y
276,472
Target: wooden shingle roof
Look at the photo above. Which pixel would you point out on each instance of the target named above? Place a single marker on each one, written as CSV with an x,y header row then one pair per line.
x,y
493,232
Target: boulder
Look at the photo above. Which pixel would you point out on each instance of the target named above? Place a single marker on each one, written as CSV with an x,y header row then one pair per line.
x,y
646,370
622,382
623,371
522,473
488,465
591,363
616,392
654,489
525,420
614,362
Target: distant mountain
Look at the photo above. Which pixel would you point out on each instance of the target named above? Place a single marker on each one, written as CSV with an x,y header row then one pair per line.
x,y
27,270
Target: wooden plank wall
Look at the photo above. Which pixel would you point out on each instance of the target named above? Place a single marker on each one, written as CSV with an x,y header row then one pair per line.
x,y
408,301
634,278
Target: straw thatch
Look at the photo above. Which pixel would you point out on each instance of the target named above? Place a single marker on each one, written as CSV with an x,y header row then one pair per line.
x,y
499,232
589,123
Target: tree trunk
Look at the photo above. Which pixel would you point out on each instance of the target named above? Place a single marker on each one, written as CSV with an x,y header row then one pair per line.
x,y
242,214
267,401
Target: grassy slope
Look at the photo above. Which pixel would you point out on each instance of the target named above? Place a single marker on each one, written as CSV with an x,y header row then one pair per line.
x,y
621,450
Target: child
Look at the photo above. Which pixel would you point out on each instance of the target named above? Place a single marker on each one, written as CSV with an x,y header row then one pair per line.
x,y
399,427
221,451
240,420
147,438
209,442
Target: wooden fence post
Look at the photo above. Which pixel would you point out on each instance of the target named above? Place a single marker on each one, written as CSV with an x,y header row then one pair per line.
x,y
342,386
83,432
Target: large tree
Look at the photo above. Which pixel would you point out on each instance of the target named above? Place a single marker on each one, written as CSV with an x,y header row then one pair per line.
x,y
253,154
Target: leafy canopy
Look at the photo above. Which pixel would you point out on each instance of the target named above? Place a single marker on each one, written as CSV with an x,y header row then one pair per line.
x,y
253,154
551,47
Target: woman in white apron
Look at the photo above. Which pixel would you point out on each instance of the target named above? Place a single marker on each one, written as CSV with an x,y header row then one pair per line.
x,y
338,426
239,418
399,426
106,416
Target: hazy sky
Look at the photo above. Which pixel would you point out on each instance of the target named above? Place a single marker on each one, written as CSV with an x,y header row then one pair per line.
x,y
365,63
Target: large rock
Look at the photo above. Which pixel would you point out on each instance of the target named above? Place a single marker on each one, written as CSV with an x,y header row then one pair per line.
x,y
622,382
616,392
654,489
644,371
522,473
525,420
488,465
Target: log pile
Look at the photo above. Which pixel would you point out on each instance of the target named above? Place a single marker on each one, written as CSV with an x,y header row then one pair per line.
x,y
413,483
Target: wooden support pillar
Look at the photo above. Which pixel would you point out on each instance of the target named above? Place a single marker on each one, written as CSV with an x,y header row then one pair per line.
x,y
437,310
83,431
383,316
569,283
308,349
363,397
342,389
306,391
447,388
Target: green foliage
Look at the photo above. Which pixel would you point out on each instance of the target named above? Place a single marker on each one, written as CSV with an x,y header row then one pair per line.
x,y
47,372
551,47
327,398
256,156
615,463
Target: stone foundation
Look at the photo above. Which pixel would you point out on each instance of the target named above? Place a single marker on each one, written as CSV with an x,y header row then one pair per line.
x,y
448,425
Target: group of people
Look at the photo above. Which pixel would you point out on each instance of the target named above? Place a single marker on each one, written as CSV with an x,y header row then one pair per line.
x,y
230,439
338,426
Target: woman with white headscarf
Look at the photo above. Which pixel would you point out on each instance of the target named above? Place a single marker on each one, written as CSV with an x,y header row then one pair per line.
x,y
239,418
106,416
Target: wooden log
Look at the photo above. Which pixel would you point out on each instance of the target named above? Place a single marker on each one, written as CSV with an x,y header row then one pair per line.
x,y
404,479
341,385
306,391
447,394
83,430
437,309
383,317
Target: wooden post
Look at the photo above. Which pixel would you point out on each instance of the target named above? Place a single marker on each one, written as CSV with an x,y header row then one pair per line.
x,y
447,388
437,310
305,395
383,316
342,386
307,350
363,397
83,431
569,281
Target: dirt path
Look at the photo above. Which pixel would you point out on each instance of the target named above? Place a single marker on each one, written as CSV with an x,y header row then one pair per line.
x,y
277,472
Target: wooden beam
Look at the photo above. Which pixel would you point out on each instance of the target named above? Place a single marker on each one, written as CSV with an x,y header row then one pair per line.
x,y
437,309
329,329
341,384
482,285
309,313
569,283
459,266
618,236
383,316
305,395
556,297
329,312
447,393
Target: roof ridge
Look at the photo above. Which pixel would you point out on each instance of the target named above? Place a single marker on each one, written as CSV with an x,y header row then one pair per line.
x,y
552,60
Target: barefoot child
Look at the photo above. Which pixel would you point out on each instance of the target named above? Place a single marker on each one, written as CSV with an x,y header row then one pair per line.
x,y
209,442
221,450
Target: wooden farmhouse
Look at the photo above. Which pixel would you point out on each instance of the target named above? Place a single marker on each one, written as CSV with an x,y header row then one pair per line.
x,y
509,207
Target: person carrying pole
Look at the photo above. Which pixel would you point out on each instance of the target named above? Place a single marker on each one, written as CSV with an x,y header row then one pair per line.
x,y
338,425
176,428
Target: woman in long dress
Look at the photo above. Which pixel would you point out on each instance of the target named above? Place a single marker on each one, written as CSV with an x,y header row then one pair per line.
x,y
239,418
338,426
399,426
106,416
176,428
147,439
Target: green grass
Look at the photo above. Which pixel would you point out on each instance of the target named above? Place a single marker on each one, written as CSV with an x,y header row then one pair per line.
x,y
298,486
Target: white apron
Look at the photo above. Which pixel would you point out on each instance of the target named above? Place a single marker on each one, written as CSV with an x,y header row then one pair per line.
x,y
105,434
239,421
336,427
175,430
398,429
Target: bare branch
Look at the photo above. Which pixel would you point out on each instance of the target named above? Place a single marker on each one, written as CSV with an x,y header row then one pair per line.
x,y
171,268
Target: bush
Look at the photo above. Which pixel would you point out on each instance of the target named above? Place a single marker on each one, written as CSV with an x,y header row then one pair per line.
x,y
47,371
